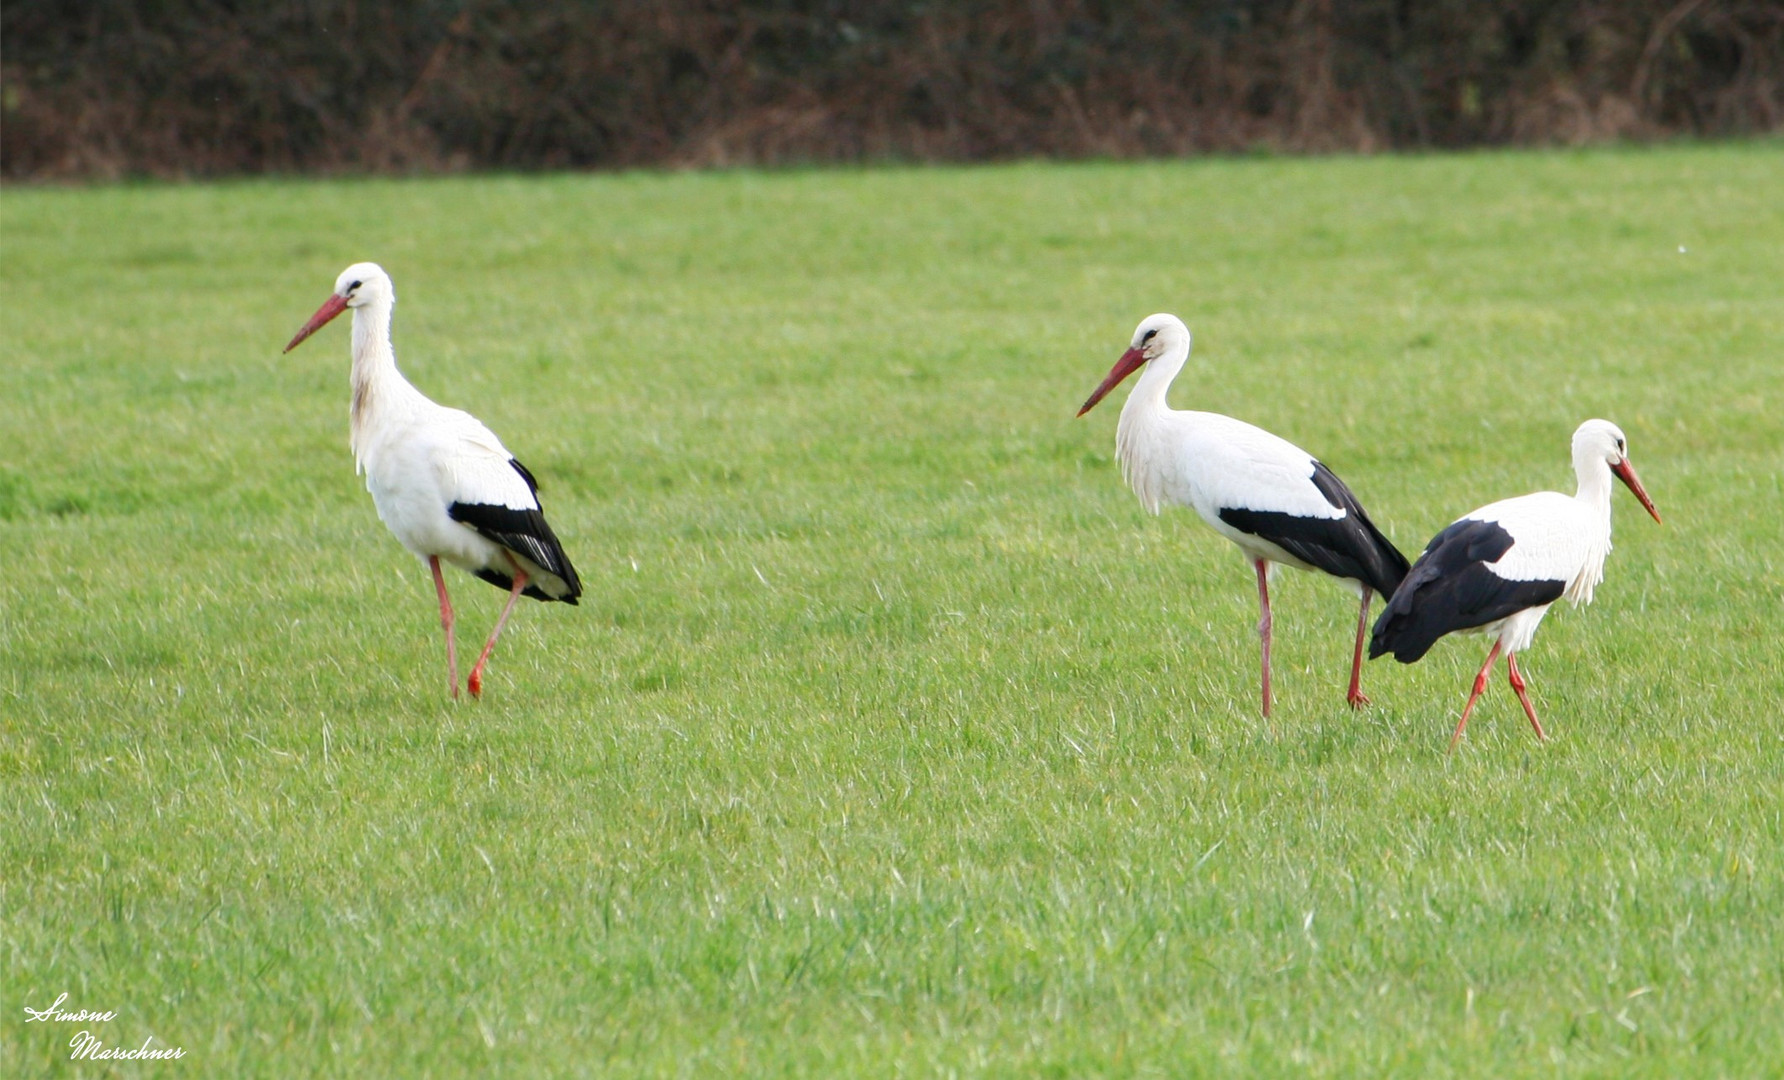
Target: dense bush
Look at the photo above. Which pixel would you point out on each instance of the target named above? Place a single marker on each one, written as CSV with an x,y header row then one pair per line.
x,y
203,87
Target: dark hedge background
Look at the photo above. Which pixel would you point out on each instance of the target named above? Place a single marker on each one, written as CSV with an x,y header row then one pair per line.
x,y
112,88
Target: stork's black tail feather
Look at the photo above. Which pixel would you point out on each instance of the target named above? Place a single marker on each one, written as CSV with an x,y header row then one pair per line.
x,y
1384,563
1387,566
1398,629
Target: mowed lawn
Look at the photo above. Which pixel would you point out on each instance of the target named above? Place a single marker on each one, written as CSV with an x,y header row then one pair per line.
x,y
891,736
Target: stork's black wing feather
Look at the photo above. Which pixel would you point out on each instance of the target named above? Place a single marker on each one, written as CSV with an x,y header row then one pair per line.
x,y
525,532
1347,547
1452,588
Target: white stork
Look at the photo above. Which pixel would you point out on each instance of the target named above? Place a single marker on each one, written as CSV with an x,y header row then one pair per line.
x,y
1496,571
443,483
1273,499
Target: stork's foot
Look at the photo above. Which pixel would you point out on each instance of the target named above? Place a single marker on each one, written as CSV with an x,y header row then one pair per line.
x,y
475,685
1357,699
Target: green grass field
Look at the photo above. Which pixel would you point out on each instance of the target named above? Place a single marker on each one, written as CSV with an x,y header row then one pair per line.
x,y
891,737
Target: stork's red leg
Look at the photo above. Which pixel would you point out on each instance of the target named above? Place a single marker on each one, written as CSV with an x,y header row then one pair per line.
x,y
446,620
1517,684
1480,684
520,582
1263,625
1356,697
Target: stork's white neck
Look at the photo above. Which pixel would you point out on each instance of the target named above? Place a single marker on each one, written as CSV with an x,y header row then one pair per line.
x,y
377,384
1594,497
1594,485
1141,419
1155,381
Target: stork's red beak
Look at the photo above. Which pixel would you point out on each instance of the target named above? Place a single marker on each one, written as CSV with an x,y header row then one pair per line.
x,y
1626,473
1131,361
333,306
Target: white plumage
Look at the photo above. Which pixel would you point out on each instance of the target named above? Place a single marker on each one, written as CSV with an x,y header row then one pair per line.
x,y
1556,536
1209,462
1274,500
1498,569
442,482
420,459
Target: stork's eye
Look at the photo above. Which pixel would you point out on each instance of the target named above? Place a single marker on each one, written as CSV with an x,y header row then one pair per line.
x,y
1148,335
1619,446
355,286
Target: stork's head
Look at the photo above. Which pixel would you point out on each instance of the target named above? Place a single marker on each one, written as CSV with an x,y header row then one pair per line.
x,y
1601,440
360,284
1154,337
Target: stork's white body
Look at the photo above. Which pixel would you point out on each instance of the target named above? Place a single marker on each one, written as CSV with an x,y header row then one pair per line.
x,y
420,458
442,482
1555,537
419,462
1209,462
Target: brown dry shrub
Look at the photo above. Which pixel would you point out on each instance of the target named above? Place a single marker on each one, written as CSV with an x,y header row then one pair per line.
x,y
114,88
